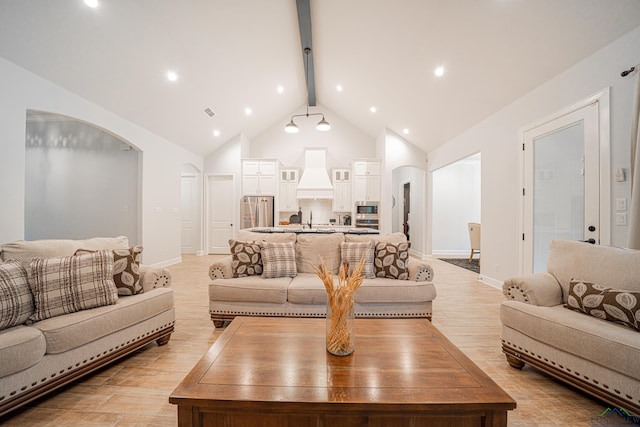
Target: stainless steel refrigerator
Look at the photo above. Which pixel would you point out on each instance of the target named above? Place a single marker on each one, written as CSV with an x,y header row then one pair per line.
x,y
256,211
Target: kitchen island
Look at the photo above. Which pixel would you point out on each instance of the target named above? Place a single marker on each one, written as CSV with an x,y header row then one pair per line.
x,y
320,229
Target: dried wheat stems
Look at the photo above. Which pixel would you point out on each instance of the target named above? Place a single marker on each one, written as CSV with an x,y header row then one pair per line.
x,y
340,300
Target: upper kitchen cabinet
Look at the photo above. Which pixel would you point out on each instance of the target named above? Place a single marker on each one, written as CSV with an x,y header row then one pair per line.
x,y
341,190
366,175
259,177
288,199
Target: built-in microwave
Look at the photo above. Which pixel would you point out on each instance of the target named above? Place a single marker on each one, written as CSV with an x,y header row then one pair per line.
x,y
367,215
367,208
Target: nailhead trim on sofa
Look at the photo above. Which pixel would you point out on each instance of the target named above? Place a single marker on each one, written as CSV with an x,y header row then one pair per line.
x,y
515,349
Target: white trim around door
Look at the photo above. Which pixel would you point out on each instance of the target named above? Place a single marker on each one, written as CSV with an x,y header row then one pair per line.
x,y
600,127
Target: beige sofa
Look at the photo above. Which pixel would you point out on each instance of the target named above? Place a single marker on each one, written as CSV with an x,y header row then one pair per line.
x,y
39,357
598,356
304,295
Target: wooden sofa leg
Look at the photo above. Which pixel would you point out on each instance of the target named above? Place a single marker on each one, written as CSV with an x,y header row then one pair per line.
x,y
515,362
163,340
218,323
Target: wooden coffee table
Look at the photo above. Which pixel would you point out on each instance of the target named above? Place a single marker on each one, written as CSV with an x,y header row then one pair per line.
x,y
277,372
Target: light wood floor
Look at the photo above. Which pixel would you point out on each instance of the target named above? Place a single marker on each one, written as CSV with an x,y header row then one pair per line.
x,y
135,391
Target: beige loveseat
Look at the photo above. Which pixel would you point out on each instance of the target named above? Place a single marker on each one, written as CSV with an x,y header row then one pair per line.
x,y
598,356
304,295
37,357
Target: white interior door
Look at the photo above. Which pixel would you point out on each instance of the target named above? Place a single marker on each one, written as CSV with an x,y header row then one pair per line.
x,y
561,184
220,213
189,215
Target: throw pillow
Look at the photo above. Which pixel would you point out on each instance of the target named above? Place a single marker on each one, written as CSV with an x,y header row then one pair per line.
x,y
352,253
63,285
278,259
614,305
16,301
245,258
392,260
126,269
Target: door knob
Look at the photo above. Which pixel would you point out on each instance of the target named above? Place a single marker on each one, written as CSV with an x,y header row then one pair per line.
x,y
592,241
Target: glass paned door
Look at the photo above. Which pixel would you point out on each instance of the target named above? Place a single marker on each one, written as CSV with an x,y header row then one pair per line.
x,y
558,190
561,184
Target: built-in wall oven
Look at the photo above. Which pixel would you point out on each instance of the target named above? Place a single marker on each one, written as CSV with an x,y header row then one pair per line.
x,y
367,215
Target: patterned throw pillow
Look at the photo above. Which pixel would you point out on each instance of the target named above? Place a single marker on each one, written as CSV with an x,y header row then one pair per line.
x,y
614,305
352,253
126,269
246,258
16,301
63,285
279,260
392,260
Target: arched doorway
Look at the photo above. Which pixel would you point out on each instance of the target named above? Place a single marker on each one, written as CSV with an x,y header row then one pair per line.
x,y
191,210
409,206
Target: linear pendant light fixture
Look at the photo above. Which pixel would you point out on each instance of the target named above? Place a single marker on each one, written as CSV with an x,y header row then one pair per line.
x,y
323,124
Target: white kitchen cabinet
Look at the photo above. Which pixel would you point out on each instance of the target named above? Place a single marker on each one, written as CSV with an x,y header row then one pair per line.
x,y
366,176
288,199
341,190
259,177
366,168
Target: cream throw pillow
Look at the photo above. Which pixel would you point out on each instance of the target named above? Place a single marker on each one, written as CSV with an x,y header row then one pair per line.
x,y
16,301
352,253
278,259
63,285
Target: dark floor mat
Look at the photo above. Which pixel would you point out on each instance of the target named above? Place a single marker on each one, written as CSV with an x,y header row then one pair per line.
x,y
464,263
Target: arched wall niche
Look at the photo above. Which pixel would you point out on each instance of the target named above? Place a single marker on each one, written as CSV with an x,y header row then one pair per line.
x,y
81,181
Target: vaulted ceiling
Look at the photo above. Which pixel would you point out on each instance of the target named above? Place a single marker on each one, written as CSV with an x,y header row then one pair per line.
x,y
233,55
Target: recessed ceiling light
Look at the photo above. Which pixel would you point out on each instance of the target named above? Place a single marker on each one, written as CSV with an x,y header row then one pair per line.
x,y
216,132
405,131
339,88
248,111
373,109
280,89
172,76
439,71
91,3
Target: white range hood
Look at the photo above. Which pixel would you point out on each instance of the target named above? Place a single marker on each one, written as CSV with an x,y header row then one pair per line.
x,y
315,182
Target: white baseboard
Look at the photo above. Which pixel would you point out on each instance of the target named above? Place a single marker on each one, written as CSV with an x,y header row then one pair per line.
x,y
450,253
200,253
417,254
494,283
167,262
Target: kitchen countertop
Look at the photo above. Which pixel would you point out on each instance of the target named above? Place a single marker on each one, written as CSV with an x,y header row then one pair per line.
x,y
319,229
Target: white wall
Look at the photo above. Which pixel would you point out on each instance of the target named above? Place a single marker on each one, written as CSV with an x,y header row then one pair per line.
x,y
456,202
226,159
498,139
344,141
161,160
